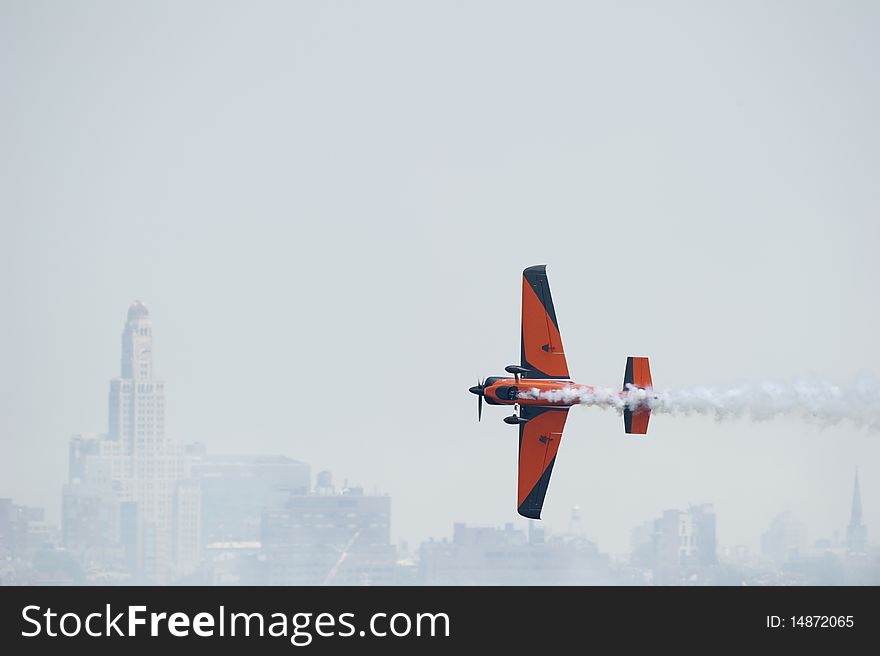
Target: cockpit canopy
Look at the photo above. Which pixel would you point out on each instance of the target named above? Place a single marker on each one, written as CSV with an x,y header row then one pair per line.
x,y
507,392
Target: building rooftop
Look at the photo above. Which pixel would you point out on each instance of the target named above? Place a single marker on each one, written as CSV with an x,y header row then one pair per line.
x,y
137,310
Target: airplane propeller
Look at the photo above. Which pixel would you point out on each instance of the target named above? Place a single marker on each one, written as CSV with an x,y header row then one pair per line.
x,y
478,390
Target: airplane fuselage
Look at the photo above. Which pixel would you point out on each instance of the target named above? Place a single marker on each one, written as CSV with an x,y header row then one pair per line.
x,y
510,391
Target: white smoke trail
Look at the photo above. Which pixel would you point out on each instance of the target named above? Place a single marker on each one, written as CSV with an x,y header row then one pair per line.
x,y
821,402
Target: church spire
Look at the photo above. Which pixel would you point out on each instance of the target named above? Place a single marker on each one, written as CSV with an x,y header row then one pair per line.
x,y
856,532
856,514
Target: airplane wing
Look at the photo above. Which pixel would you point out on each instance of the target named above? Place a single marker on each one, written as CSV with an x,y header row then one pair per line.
x,y
542,352
539,440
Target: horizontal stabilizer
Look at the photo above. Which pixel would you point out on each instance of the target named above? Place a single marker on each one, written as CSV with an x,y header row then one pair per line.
x,y
637,374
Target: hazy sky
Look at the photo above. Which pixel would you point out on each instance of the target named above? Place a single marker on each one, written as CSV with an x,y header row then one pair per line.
x,y
327,206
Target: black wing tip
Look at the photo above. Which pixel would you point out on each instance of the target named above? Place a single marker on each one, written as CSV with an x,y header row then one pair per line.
x,y
529,513
537,268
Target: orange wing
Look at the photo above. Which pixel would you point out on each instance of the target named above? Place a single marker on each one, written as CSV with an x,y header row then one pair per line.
x,y
539,440
542,352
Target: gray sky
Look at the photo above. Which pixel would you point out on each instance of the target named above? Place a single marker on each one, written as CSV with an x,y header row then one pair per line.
x,y
327,207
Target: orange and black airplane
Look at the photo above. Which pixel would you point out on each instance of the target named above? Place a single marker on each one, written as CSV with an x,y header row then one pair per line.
x,y
543,368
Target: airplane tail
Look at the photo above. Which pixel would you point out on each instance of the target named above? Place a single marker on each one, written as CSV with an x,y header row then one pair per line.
x,y
638,374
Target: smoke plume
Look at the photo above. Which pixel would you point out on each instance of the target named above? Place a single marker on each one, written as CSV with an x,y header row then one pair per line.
x,y
817,401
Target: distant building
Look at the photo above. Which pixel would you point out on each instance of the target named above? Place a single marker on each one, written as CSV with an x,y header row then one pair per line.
x,y
29,552
22,530
856,531
575,522
90,513
127,506
509,556
828,561
684,546
642,545
328,538
786,538
230,563
237,490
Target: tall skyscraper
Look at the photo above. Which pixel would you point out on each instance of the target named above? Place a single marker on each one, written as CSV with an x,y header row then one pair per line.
x,y
856,532
128,500
137,399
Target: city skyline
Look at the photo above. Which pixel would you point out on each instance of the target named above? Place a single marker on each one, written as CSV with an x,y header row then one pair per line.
x,y
310,540
128,417
139,505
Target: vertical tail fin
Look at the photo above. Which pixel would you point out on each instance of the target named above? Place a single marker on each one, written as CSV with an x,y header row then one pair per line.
x,y
637,374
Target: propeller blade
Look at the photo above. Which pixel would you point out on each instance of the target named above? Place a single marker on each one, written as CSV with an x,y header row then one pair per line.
x,y
478,390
